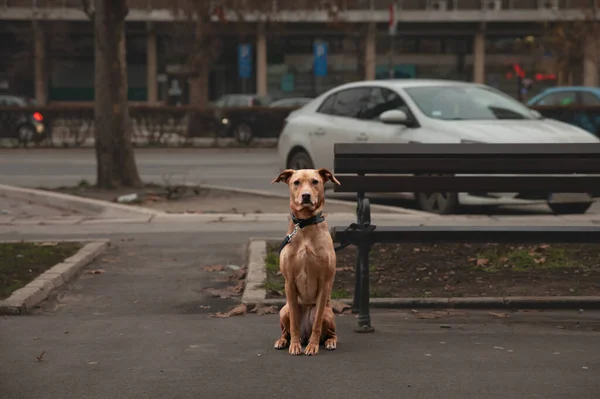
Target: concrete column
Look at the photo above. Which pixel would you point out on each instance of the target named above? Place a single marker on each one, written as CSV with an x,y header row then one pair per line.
x,y
152,66
39,55
261,62
590,62
479,57
370,53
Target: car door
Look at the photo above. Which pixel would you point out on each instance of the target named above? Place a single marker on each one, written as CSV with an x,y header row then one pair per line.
x,y
560,98
336,123
586,118
371,129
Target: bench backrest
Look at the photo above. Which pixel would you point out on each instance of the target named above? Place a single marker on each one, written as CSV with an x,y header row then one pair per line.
x,y
487,161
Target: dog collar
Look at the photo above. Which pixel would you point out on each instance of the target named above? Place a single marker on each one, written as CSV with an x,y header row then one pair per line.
x,y
300,224
318,218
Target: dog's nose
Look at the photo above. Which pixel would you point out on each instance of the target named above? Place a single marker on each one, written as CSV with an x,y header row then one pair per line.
x,y
306,197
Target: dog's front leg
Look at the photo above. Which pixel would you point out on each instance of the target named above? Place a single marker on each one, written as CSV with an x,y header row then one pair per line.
x,y
317,329
291,294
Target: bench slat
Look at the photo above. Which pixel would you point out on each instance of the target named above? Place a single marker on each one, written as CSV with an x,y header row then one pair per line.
x,y
474,150
479,234
475,165
469,184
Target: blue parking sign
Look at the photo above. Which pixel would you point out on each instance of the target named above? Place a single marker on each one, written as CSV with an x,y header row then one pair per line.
x,y
320,61
245,60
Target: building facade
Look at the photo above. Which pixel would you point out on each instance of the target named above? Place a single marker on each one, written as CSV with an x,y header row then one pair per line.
x,y
47,47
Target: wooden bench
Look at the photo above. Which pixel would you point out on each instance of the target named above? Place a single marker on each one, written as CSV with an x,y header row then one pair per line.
x,y
426,168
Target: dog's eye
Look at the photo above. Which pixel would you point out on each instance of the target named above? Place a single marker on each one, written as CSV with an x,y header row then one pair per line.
x,y
315,182
297,183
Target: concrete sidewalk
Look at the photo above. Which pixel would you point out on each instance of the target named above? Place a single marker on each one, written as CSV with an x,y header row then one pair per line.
x,y
142,329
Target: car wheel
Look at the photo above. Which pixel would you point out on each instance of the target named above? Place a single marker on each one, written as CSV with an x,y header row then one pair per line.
x,y
440,203
570,209
242,133
25,134
300,160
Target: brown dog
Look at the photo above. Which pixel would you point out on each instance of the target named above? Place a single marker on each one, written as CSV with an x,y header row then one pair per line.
x,y
308,264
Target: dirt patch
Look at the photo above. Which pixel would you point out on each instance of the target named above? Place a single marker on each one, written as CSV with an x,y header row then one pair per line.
x,y
463,270
193,200
21,262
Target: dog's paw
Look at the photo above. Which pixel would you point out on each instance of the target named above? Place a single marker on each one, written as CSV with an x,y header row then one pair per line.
x,y
295,348
331,344
281,343
312,349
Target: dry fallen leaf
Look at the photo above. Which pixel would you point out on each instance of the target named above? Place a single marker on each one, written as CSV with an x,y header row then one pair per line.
x,y
239,310
47,244
339,307
267,310
238,275
95,271
540,260
214,268
416,250
440,313
500,315
275,293
482,261
40,357
544,246
238,288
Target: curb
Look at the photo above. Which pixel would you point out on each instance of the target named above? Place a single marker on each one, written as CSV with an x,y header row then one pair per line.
x,y
268,194
255,295
70,202
510,303
38,290
256,274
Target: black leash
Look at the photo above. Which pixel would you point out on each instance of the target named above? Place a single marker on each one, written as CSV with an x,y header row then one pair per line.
x,y
365,229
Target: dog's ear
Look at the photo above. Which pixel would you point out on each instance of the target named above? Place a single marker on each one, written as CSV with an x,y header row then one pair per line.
x,y
284,176
328,176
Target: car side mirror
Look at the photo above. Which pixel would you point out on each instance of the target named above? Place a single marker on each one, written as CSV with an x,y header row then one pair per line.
x,y
536,114
394,117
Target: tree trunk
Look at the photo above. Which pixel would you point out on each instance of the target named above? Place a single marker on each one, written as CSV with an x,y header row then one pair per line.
x,y
200,62
114,151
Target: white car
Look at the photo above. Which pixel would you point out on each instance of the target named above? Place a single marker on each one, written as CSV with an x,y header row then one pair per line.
x,y
423,111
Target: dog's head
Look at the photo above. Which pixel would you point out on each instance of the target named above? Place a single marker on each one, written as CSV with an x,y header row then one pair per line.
x,y
307,188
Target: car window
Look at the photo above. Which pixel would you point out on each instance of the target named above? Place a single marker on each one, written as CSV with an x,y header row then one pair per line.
x,y
562,98
350,102
8,102
467,102
588,98
327,105
237,101
381,100
221,102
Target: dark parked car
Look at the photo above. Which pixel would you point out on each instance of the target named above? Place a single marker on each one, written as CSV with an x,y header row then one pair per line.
x,y
25,127
291,102
242,126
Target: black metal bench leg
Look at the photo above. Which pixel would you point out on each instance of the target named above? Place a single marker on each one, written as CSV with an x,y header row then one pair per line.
x,y
357,274
357,270
364,315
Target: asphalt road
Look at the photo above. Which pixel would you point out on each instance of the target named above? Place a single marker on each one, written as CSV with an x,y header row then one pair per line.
x,y
242,168
142,329
252,169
